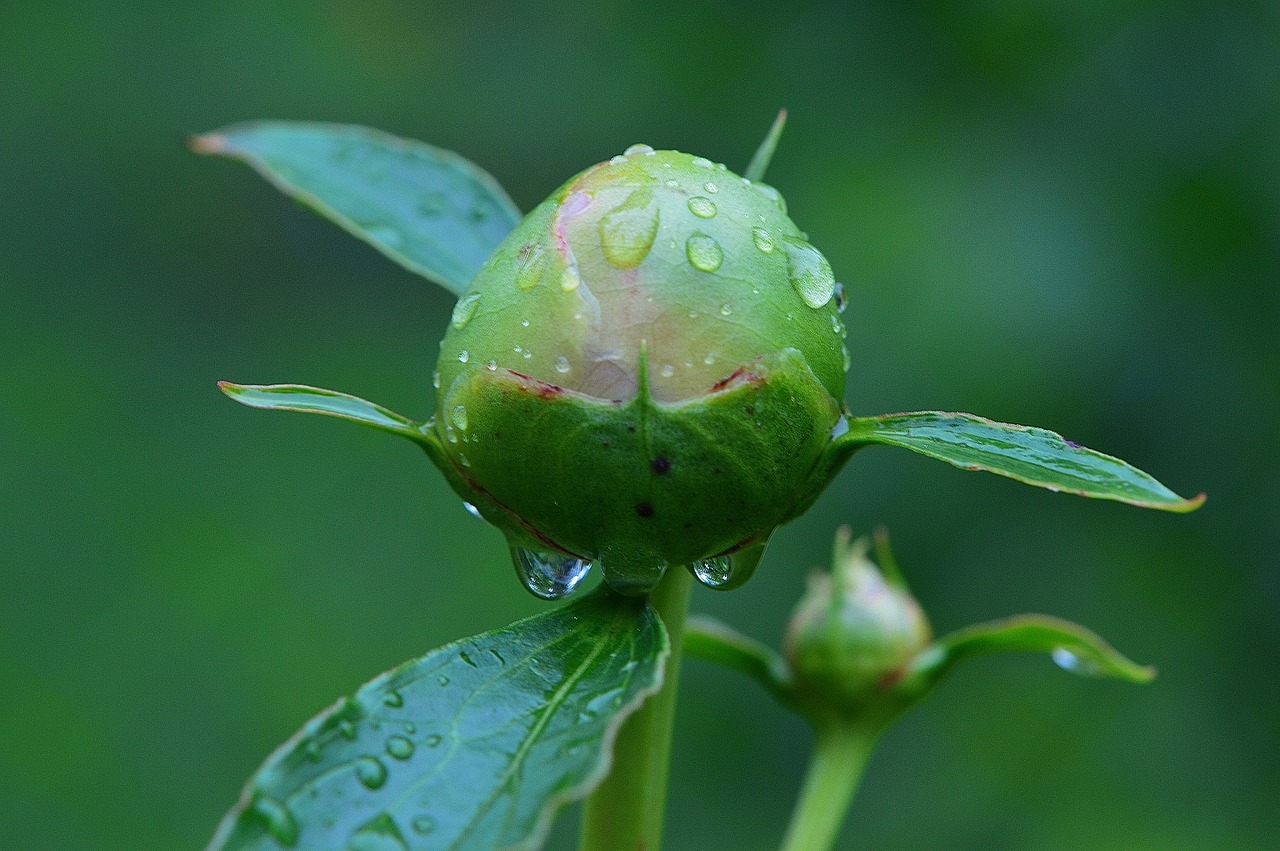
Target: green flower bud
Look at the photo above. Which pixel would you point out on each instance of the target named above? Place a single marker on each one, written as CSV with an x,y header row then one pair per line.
x,y
854,634
644,374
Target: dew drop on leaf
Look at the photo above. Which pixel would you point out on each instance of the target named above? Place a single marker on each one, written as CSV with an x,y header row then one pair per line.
x,y
393,699
809,271
704,252
550,576
399,747
703,208
628,230
370,771
1069,661
276,817
532,260
762,239
464,310
713,572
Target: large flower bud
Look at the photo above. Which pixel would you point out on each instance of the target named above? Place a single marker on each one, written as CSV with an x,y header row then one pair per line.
x,y
644,374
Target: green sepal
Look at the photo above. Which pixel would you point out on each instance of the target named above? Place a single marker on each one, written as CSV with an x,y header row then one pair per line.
x,y
476,745
640,485
1030,455
430,210
764,154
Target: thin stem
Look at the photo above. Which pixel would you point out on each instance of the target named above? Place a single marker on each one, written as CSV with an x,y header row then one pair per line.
x,y
625,812
839,755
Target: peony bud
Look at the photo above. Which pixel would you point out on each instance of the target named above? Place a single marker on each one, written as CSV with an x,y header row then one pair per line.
x,y
646,373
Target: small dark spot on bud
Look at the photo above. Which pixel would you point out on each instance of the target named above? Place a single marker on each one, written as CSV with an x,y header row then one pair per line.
x,y
661,466
644,509
604,444
631,427
750,409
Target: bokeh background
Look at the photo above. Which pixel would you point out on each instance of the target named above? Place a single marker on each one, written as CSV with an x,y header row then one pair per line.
x,y
1057,213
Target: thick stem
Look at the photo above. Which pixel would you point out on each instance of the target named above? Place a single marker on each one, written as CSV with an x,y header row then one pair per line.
x,y
625,812
839,755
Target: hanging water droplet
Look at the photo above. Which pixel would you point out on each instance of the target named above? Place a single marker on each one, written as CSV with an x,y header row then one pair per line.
x,y
701,162
370,771
846,358
435,379
628,230
809,271
464,310
762,239
569,279
393,699
276,817
842,300
549,575
532,261
618,160
703,208
463,357
1069,661
459,417
837,327
713,572
710,187
638,148
703,252
472,510
423,824
399,747
378,834
840,428
667,370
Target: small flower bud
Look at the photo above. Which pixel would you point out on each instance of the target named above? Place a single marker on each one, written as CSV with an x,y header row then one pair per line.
x,y
853,633
644,374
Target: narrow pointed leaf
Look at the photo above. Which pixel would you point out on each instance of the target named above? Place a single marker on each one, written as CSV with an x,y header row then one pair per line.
x,y
712,641
1071,646
1031,455
316,400
474,746
764,154
428,209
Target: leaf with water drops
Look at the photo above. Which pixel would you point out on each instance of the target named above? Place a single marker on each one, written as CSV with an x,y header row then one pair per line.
x,y
474,746
316,400
1030,455
428,209
1072,647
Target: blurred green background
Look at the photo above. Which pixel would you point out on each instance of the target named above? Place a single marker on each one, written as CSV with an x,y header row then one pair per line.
x,y
1055,213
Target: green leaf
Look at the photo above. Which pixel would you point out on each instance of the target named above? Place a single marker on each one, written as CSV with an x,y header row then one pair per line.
x,y
1031,455
316,400
1072,647
428,209
713,641
474,746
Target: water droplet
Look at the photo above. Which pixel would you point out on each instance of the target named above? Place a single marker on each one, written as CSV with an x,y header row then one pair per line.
x,y
532,261
713,572
709,359
726,309
549,575
393,699
279,822
459,417
465,309
837,327
772,194
569,279
472,510
346,729
673,184
492,366
442,681
703,252
526,354
840,428
423,824
667,370
710,187
409,727
618,160
846,358
809,271
842,300
1069,661
562,364
399,747
378,834
371,772
435,379
432,741
628,230
463,357
703,208
638,148
762,239
701,162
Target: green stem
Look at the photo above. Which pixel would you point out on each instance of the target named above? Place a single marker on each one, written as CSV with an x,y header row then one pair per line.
x,y
625,812
839,755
